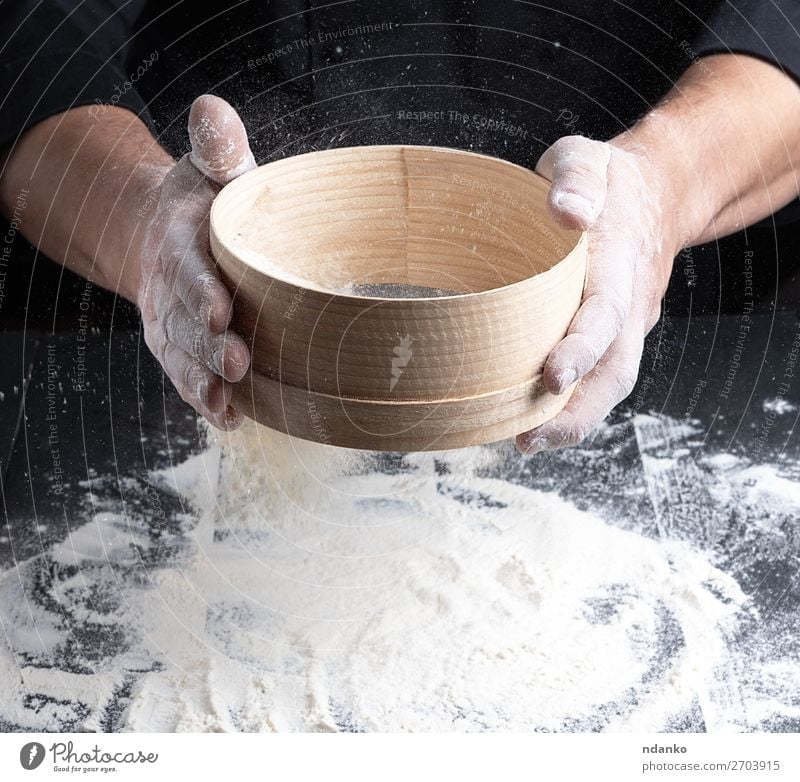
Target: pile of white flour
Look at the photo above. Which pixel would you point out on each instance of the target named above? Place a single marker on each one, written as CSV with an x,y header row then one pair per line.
x,y
302,587
326,595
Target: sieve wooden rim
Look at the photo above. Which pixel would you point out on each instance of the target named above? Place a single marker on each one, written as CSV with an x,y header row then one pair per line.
x,y
336,349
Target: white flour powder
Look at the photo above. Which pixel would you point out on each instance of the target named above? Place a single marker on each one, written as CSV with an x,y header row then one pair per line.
x,y
338,597
323,589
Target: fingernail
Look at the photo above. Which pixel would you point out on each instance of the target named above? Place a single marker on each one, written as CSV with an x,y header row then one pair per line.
x,y
533,445
232,418
218,361
214,315
224,362
234,363
576,205
565,379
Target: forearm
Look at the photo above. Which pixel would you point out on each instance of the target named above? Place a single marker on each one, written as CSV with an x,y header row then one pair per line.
x,y
720,151
90,185
726,145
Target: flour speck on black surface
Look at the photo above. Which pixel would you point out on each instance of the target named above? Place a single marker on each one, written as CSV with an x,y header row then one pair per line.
x,y
317,589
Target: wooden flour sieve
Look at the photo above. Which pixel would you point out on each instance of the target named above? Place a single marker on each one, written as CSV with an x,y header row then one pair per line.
x,y
326,255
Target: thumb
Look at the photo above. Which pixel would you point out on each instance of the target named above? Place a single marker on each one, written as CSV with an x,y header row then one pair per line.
x,y
220,149
577,167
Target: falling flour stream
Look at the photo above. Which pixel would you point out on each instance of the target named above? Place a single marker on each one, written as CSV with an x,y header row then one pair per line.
x,y
323,590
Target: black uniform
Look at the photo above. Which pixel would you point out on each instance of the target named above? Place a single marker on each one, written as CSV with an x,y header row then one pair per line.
x,y
499,76
504,77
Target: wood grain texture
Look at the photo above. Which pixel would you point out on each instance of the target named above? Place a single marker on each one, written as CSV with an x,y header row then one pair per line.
x,y
292,238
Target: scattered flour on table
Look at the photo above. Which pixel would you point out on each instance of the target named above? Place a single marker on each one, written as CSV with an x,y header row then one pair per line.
x,y
325,596
321,589
779,405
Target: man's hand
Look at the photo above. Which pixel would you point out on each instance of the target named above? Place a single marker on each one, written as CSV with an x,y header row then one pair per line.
x,y
619,199
106,200
720,152
185,307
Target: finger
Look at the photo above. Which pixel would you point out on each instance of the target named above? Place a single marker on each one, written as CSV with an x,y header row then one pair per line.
x,y
220,148
603,388
577,168
184,251
183,373
224,354
196,384
603,312
228,420
190,272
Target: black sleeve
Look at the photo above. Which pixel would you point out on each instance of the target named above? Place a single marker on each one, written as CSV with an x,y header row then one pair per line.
x,y
767,29
56,55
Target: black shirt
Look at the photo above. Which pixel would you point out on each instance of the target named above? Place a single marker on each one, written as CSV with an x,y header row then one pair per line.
x,y
505,77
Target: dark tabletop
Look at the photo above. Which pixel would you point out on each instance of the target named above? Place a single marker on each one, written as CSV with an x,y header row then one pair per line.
x,y
84,404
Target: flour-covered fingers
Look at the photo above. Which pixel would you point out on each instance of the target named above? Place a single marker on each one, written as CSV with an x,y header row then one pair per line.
x,y
227,420
184,251
196,384
603,312
220,149
225,354
186,307
611,381
190,272
577,168
185,189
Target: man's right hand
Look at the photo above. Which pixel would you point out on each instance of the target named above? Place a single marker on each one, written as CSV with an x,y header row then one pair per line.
x,y
186,309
